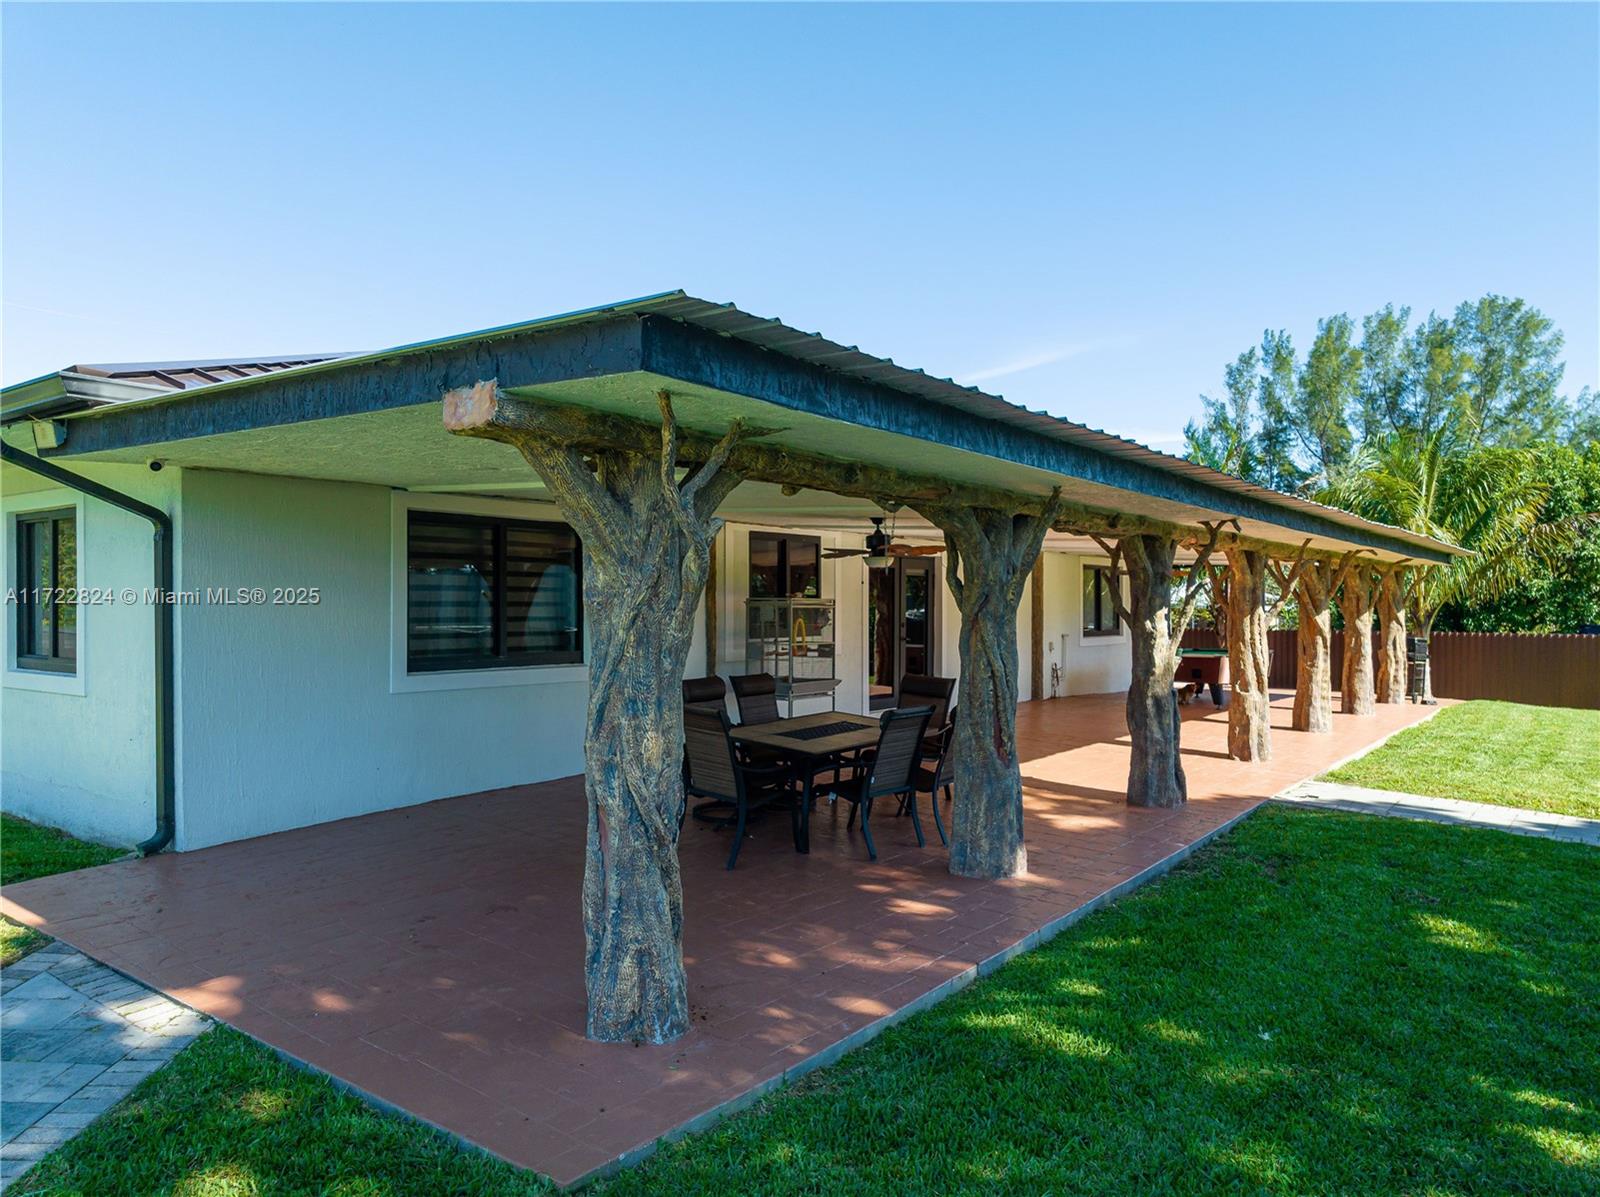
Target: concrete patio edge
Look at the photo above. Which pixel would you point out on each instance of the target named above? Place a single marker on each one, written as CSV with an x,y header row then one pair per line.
x,y
951,985
822,1059
1428,717
708,1119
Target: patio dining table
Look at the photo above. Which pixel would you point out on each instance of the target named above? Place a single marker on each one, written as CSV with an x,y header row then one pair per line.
x,y
812,742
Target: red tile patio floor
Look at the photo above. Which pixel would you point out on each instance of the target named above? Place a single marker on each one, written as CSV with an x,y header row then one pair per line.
x,y
432,956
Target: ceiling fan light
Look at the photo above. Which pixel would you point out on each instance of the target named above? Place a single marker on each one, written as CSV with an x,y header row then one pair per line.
x,y
878,560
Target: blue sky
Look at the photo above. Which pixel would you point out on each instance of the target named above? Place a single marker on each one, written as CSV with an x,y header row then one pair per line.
x,y
1087,209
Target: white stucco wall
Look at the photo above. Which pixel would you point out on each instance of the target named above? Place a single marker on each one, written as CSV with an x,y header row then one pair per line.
x,y
296,714
1025,641
78,752
1089,664
290,715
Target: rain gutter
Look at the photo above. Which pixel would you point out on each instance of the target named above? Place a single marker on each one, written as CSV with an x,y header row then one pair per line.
x,y
166,756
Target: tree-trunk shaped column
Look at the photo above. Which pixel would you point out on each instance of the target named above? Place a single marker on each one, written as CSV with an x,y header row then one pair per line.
x,y
989,557
1313,679
1155,627
1218,581
646,541
1355,608
1249,736
1391,685
1249,659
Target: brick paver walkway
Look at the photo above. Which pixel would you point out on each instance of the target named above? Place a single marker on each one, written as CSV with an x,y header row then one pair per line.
x,y
1332,795
75,1038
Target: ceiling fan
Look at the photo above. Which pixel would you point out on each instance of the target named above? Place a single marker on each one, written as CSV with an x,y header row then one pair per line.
x,y
881,548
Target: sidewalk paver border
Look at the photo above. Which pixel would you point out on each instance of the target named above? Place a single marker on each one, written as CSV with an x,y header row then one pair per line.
x,y
1332,795
76,1037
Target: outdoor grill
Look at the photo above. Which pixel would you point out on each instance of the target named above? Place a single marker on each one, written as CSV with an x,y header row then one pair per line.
x,y
1417,667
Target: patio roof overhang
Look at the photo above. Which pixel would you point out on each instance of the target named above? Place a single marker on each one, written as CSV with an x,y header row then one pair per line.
x,y
375,418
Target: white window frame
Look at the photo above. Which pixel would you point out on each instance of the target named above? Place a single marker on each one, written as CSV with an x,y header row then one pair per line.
x,y
1100,638
46,681
402,503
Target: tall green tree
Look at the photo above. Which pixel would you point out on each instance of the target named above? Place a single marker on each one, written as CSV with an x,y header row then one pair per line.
x,y
1388,366
1326,396
1453,427
1492,368
1514,370
1250,430
1223,437
1438,380
1583,421
1275,436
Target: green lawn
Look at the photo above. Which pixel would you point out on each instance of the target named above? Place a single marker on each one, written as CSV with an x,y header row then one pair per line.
x,y
1537,758
29,850
228,1118
1317,1003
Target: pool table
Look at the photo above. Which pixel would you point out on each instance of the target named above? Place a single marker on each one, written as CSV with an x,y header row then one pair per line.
x,y
1204,667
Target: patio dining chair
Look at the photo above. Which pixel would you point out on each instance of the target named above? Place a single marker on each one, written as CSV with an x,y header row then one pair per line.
x,y
934,772
732,789
920,689
887,771
757,696
705,693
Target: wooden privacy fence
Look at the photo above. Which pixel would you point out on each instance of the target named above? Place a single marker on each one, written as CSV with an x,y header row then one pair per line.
x,y
1546,671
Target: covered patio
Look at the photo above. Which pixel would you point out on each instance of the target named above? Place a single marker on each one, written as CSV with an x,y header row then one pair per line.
x,y
432,957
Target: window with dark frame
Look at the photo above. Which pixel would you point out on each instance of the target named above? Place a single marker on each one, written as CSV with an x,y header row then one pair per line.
x,y
483,592
47,574
1099,609
785,566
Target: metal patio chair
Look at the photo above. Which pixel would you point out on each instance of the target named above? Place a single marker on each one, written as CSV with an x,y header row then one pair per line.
x,y
732,788
705,693
757,696
934,772
920,689
889,770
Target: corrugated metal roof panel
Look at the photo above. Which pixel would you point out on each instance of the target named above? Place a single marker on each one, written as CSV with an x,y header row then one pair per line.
x,y
815,348
185,376
775,336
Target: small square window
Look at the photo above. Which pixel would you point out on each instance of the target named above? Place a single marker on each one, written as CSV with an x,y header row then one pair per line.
x,y
1099,606
47,577
785,566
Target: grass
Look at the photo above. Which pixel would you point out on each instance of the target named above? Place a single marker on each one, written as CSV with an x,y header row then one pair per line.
x,y
16,941
228,1118
1317,1003
30,850
1535,758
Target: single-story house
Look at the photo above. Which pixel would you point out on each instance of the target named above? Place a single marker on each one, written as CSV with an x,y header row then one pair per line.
x,y
368,612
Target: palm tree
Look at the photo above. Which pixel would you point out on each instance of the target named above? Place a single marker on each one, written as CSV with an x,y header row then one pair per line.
x,y
1488,500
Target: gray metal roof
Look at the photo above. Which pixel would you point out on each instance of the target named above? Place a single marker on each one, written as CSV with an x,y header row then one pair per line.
x,y
80,387
186,375
776,336
848,359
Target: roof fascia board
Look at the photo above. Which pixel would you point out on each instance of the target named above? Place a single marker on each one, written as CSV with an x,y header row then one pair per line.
x,y
696,355
415,377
